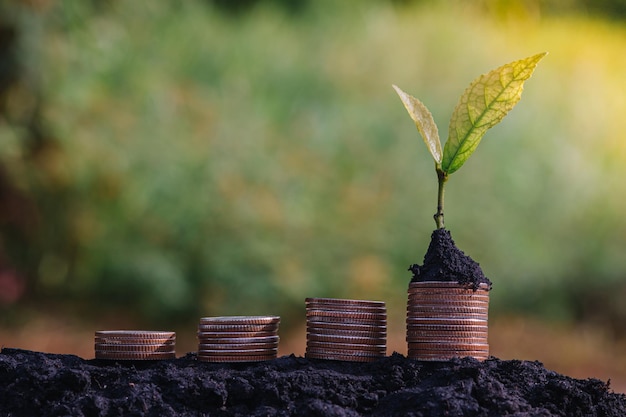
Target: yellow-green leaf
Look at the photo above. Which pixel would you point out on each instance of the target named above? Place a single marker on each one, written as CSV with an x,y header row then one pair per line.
x,y
483,105
424,122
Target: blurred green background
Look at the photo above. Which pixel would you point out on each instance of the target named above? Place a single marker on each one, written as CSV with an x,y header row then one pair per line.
x,y
162,161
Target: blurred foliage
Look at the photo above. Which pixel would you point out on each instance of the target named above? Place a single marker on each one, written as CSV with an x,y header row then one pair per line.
x,y
171,160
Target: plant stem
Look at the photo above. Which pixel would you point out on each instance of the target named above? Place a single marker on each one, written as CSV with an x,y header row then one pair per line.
x,y
442,177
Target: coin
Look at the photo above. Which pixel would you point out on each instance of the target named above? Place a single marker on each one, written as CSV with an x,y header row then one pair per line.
x,y
219,335
238,328
445,308
238,338
266,339
133,356
131,341
322,353
235,358
447,340
481,356
134,344
441,346
236,346
446,285
345,321
135,334
452,321
238,352
412,333
374,326
349,330
240,320
346,302
445,292
116,347
347,346
348,315
333,338
346,308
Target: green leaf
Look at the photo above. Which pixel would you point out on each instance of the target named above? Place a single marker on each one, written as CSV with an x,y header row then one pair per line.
x,y
424,122
483,105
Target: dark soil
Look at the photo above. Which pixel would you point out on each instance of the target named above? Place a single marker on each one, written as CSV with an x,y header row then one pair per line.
x,y
445,262
39,384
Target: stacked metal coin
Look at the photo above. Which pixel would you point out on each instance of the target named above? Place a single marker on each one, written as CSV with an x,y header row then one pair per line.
x,y
346,330
446,320
135,345
238,338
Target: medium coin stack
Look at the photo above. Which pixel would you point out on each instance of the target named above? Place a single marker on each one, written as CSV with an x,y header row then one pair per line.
x,y
238,338
135,345
445,320
346,330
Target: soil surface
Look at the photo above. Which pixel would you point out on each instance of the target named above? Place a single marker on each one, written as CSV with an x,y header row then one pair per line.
x,y
445,262
40,384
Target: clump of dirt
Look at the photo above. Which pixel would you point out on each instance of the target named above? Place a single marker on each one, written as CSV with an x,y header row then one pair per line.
x,y
39,384
445,262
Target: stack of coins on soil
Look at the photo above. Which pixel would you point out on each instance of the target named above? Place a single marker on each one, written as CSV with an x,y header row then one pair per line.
x,y
238,338
346,330
135,345
446,320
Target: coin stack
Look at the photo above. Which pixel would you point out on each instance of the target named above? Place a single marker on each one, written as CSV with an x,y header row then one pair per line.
x,y
446,320
346,330
135,345
238,338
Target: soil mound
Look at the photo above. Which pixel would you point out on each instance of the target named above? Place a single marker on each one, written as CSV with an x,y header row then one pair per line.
x,y
445,262
40,384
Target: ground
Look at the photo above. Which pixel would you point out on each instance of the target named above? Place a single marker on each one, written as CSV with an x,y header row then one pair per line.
x,y
33,383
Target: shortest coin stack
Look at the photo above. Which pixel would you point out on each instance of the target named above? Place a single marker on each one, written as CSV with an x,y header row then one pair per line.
x,y
346,330
238,338
135,345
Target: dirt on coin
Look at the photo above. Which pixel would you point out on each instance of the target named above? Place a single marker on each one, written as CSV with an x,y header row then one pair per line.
x,y
445,262
40,384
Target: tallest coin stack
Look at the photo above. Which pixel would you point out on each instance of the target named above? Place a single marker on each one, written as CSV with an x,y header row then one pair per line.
x,y
447,320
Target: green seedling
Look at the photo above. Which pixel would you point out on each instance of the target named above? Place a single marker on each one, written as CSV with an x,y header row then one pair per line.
x,y
483,105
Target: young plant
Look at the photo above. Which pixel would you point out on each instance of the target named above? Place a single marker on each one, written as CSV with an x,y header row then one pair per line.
x,y
483,105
